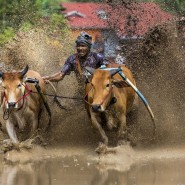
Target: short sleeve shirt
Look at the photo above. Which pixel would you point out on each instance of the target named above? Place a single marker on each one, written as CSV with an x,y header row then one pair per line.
x,y
94,60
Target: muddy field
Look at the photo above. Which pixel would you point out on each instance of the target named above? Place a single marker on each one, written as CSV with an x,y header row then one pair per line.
x,y
158,66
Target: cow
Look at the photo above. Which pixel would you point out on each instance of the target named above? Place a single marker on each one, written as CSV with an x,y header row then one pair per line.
x,y
21,105
108,95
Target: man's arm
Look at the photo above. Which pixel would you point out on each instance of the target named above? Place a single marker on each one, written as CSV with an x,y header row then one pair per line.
x,y
54,78
66,69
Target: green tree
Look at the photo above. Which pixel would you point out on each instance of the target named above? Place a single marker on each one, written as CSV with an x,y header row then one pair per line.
x,y
98,1
23,14
14,13
173,6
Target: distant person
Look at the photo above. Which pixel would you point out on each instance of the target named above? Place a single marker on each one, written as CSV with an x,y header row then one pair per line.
x,y
98,45
120,59
78,61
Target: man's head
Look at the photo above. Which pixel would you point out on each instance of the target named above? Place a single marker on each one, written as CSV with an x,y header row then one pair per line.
x,y
83,44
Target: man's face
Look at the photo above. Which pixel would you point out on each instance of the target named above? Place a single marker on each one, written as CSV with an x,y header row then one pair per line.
x,y
82,50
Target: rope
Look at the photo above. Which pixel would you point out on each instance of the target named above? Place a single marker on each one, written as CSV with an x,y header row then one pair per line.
x,y
6,114
66,97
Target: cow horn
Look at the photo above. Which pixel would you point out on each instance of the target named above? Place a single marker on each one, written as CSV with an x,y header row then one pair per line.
x,y
114,71
24,71
90,70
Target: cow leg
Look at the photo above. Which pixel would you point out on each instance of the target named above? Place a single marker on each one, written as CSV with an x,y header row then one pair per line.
x,y
11,131
110,120
21,122
35,124
96,124
122,132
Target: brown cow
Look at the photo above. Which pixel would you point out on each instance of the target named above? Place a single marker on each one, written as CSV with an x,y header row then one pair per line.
x,y
108,94
20,106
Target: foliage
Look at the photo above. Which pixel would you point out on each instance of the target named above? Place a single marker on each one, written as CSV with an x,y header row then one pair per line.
x,y
176,6
14,13
6,35
173,6
88,1
47,7
25,14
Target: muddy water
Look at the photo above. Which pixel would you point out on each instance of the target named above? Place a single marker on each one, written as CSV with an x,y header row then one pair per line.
x,y
75,165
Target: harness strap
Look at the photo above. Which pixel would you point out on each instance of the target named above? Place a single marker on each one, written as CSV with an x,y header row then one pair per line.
x,y
107,95
24,96
86,101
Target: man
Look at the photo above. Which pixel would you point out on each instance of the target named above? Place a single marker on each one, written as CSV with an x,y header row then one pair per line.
x,y
78,61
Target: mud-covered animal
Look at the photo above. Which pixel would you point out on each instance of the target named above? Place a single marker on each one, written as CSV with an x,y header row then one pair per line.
x,y
20,104
109,96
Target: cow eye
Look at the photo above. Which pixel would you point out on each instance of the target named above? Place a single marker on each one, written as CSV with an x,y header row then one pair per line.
x,y
3,87
107,85
19,85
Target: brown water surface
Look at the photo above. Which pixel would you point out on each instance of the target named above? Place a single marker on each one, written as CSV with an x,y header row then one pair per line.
x,y
71,166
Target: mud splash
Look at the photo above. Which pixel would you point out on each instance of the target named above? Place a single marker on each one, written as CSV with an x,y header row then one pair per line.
x,y
157,64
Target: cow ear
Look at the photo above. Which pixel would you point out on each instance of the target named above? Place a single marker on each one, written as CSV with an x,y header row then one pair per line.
x,y
120,84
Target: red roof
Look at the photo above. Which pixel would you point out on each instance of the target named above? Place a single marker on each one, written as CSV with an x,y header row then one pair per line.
x,y
91,19
134,20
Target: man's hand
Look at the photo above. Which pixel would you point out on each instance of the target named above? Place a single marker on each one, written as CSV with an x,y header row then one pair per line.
x,y
53,78
46,79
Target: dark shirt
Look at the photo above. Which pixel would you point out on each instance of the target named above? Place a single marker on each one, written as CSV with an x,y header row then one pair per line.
x,y
94,60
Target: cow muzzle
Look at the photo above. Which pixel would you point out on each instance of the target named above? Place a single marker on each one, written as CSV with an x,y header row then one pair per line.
x,y
96,108
11,105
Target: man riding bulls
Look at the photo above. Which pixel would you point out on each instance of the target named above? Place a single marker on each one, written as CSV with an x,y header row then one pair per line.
x,y
78,61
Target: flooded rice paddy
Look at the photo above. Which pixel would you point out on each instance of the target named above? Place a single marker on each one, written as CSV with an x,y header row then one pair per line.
x,y
82,166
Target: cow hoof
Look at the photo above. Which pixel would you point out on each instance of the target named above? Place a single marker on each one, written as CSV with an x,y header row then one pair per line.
x,y
28,144
104,149
5,141
6,145
101,149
